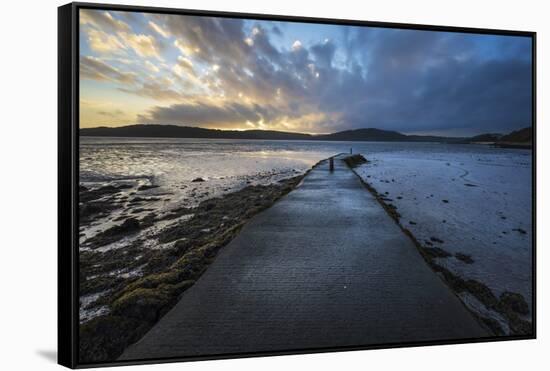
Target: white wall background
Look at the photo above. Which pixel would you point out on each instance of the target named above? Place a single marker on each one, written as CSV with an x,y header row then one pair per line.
x,y
28,182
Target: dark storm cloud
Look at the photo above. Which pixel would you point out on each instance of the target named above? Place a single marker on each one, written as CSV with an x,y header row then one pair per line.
x,y
324,53
264,46
422,81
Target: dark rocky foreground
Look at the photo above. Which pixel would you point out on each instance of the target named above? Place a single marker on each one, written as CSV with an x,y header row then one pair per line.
x,y
139,284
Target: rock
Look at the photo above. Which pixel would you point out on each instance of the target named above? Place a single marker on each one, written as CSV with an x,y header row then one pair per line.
x,y
137,199
355,160
108,189
464,258
445,201
198,180
515,302
94,194
115,233
436,252
88,212
129,225
146,187
104,338
147,303
141,304
139,210
435,239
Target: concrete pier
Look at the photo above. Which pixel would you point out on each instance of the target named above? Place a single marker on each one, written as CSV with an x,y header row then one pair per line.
x,y
323,267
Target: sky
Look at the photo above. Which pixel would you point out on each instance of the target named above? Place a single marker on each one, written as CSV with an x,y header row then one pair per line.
x,y
229,73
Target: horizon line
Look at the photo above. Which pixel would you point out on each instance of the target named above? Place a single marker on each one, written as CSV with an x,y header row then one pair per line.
x,y
301,133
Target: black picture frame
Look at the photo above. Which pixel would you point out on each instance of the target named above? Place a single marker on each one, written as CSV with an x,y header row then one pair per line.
x,y
68,170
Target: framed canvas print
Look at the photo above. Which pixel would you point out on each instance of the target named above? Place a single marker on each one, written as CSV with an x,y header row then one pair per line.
x,y
233,185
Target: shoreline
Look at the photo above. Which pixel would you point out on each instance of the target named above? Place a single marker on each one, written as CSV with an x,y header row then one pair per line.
x,y
502,145
148,281
511,306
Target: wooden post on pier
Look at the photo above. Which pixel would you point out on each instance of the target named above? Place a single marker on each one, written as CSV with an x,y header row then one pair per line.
x,y
331,163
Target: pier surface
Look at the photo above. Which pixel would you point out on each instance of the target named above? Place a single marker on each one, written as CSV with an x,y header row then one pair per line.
x,y
324,267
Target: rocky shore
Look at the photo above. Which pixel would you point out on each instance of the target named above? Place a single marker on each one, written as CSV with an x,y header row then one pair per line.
x,y
125,290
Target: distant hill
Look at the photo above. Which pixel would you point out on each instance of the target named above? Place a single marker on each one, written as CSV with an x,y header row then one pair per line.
x,y
367,134
522,138
485,138
173,131
524,135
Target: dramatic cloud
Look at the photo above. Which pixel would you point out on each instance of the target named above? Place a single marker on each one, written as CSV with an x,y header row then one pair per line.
x,y
209,39
102,20
152,67
159,91
104,43
144,45
234,73
95,69
434,81
159,29
324,53
207,114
